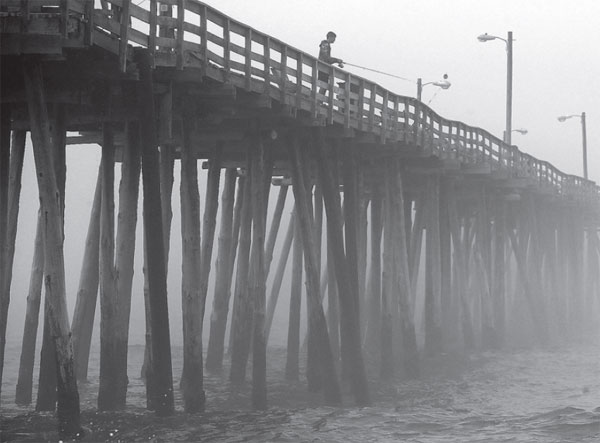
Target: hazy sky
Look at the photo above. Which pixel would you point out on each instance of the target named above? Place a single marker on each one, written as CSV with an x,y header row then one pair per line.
x,y
555,59
556,68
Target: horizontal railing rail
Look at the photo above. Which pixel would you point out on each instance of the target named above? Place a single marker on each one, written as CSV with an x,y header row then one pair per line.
x,y
189,33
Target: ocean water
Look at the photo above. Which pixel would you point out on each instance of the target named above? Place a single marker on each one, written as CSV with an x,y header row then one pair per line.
x,y
550,395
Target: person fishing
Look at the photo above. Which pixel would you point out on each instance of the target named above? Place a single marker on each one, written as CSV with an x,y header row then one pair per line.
x,y
325,56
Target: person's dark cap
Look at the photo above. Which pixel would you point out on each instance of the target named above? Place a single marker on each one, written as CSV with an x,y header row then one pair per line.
x,y
331,33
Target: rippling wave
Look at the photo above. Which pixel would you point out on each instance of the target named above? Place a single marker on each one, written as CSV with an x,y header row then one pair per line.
x,y
518,396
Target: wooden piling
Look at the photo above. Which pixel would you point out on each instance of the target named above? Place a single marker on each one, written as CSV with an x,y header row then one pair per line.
x,y
374,294
191,297
460,272
351,352
292,370
68,396
242,315
220,308
109,380
155,251
14,167
125,253
279,273
274,229
257,286
316,316
499,273
401,282
433,304
87,293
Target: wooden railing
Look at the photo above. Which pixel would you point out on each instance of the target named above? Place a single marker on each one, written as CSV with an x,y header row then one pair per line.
x,y
191,34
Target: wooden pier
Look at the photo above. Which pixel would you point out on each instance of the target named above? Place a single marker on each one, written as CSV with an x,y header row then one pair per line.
x,y
395,208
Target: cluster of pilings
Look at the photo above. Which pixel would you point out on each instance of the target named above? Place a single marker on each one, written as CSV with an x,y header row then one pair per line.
x,y
401,259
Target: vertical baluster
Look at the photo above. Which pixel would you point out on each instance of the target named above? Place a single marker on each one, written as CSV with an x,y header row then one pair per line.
x,y
248,58
331,87
204,39
267,63
384,116
227,48
180,33
64,17
283,69
152,30
299,74
361,103
347,80
314,87
25,7
124,33
372,105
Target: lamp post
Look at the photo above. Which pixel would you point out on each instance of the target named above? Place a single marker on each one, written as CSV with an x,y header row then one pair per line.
x,y
563,118
444,84
509,74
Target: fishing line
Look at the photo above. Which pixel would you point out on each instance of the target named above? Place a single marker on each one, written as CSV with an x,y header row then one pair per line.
x,y
379,72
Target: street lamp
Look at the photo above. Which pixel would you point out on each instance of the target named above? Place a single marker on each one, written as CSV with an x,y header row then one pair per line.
x,y
444,84
486,38
521,131
562,119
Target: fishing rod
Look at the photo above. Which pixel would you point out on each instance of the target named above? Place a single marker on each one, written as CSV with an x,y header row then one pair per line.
x,y
378,72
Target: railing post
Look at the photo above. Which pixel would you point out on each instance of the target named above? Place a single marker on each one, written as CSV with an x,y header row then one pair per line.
x,y
88,38
204,39
314,87
248,59
361,103
64,17
152,29
299,74
227,48
384,116
124,35
347,91
180,32
283,70
24,15
372,102
267,63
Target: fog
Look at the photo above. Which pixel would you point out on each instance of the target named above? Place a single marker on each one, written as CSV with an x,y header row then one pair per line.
x,y
555,73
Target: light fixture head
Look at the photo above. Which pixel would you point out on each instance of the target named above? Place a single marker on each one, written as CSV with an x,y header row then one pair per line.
x,y
485,37
522,131
562,118
444,84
